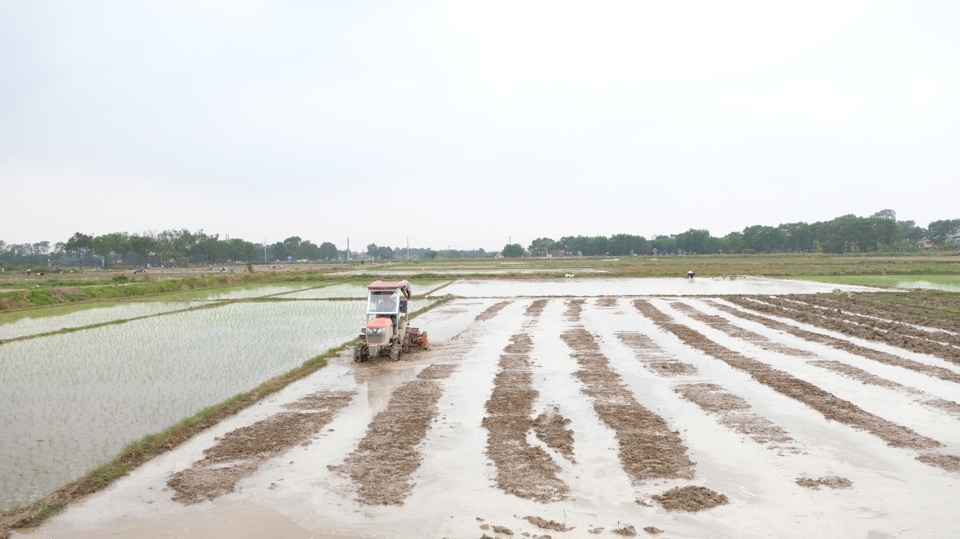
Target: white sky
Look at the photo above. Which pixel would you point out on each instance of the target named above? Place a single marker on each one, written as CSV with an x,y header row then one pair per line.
x,y
465,123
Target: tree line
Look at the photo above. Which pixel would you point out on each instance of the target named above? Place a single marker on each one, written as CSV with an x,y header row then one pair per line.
x,y
881,232
166,248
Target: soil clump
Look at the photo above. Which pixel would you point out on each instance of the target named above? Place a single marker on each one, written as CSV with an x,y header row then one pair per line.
x,y
951,463
722,324
840,344
648,448
653,357
387,456
690,499
547,524
829,481
626,530
606,302
832,407
653,530
492,311
240,452
522,470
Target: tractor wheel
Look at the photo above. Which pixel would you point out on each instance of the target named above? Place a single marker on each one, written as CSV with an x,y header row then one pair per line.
x,y
396,352
406,343
358,354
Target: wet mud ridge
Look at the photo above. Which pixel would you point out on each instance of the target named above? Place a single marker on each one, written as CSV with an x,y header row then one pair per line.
x,y
722,324
648,449
387,457
830,406
522,470
840,344
606,302
940,311
867,378
652,356
734,413
897,335
240,452
574,308
535,309
492,311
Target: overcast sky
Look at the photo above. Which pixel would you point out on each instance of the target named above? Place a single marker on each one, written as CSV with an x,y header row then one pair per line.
x,y
467,123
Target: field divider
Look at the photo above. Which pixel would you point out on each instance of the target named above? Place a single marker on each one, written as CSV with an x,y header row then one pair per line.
x,y
150,446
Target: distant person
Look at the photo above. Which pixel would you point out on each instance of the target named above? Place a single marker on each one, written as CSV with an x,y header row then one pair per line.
x,y
691,275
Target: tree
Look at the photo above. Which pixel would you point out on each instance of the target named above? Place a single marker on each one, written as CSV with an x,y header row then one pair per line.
x,y
512,250
885,214
80,244
327,251
940,232
694,241
542,246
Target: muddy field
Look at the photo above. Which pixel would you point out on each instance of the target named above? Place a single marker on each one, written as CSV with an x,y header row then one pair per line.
x,y
592,415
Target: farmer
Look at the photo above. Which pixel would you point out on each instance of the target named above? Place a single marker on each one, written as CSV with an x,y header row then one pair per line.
x,y
690,275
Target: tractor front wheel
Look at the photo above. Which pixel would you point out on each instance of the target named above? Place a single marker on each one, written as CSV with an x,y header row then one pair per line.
x,y
396,352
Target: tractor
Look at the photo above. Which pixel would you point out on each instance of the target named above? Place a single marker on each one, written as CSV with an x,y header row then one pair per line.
x,y
387,330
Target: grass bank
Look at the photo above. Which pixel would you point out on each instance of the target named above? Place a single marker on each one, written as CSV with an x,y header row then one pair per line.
x,y
950,283
138,452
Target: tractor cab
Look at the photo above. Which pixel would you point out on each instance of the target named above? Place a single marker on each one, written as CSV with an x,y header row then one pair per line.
x,y
386,327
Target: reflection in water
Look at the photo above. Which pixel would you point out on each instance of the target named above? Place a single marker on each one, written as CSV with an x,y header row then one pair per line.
x,y
382,377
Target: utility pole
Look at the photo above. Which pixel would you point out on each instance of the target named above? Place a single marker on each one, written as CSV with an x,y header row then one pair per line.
x,y
408,248
264,250
348,248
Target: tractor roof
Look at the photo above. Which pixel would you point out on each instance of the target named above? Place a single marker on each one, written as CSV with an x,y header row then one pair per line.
x,y
403,286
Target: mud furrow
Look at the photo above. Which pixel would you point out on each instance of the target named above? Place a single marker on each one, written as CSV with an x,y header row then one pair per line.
x,y
893,337
574,308
941,311
734,412
832,407
522,470
240,452
722,324
492,311
811,303
648,449
535,309
847,346
551,429
387,456
606,302
867,378
652,356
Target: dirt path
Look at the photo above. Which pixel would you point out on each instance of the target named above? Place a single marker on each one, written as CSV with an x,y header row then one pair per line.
x,y
847,346
240,452
832,407
387,456
648,448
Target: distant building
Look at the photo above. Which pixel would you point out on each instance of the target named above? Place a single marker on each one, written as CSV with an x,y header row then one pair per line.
x,y
559,253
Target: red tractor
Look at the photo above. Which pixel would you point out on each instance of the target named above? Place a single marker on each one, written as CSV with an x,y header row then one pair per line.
x,y
387,330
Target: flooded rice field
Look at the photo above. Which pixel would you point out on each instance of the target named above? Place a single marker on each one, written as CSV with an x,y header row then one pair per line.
x,y
71,401
357,290
38,321
638,287
541,416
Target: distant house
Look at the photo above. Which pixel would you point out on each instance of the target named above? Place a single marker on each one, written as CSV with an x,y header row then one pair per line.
x,y
559,253
927,244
